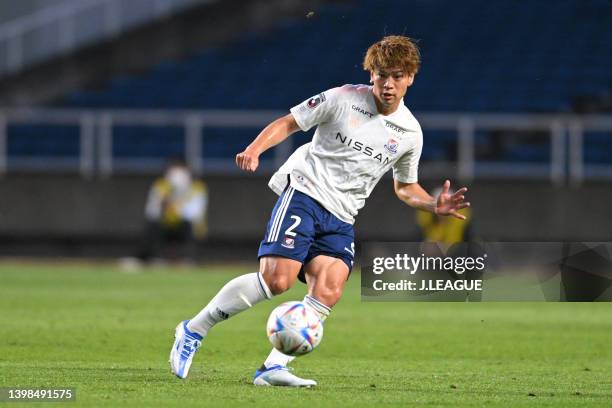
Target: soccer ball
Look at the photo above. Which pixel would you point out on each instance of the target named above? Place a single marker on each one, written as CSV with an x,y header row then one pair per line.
x,y
294,329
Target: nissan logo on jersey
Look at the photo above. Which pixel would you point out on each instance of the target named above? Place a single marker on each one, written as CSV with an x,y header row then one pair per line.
x,y
360,147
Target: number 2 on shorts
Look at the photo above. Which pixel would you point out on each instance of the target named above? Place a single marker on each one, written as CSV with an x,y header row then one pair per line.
x,y
289,230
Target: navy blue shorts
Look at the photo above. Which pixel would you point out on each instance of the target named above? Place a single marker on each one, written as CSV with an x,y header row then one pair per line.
x,y
301,229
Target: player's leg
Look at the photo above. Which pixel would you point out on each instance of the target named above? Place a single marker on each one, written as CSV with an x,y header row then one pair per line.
x,y
279,273
276,276
279,267
241,293
237,295
326,277
327,267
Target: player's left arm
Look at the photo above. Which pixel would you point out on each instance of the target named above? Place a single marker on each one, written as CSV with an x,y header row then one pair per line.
x,y
445,204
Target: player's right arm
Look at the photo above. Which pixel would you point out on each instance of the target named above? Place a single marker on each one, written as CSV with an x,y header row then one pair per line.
x,y
272,135
323,107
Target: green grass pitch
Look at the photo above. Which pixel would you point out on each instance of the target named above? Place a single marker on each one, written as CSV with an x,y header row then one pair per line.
x,y
108,334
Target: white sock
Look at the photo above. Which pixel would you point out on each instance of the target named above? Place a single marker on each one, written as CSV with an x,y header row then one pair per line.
x,y
276,357
237,295
320,309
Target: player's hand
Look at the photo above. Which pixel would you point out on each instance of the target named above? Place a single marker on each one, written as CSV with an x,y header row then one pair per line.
x,y
247,160
450,204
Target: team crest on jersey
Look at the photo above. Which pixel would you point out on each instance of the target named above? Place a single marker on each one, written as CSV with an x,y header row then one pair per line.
x,y
315,101
288,242
391,146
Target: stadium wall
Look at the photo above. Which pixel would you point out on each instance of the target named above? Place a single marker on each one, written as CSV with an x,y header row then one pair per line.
x,y
108,214
208,25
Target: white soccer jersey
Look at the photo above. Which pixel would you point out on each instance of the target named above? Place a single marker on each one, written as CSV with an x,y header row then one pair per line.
x,y
352,148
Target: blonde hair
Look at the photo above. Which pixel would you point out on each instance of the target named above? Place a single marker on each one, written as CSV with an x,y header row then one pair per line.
x,y
393,51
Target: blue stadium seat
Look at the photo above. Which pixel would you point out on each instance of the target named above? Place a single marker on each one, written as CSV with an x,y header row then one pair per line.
x,y
478,55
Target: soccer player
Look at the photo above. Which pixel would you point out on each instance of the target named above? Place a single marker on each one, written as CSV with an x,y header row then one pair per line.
x,y
362,132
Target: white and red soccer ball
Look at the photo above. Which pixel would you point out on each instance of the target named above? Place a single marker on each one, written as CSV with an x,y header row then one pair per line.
x,y
294,329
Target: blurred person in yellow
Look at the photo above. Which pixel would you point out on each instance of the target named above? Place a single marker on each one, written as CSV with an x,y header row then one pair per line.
x,y
444,233
447,230
175,212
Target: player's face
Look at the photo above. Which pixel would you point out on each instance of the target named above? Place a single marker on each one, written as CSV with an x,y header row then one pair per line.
x,y
390,87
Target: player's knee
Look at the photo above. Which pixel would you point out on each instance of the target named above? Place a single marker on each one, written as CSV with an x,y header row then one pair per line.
x,y
279,274
279,284
278,280
330,294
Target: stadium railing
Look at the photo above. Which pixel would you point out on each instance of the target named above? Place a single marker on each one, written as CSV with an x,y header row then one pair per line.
x,y
564,136
63,27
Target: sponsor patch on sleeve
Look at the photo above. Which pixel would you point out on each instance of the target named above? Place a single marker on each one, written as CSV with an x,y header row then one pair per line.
x,y
315,101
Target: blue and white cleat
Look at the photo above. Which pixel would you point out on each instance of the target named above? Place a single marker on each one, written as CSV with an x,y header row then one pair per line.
x,y
186,343
280,376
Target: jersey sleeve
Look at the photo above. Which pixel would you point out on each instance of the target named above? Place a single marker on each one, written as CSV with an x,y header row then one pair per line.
x,y
406,169
321,108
